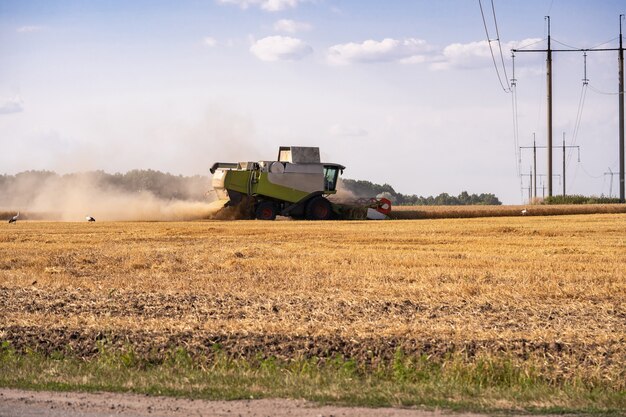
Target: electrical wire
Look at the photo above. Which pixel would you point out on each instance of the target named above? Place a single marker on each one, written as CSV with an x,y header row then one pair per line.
x,y
531,44
493,57
495,21
604,43
595,90
588,174
579,115
564,44
515,130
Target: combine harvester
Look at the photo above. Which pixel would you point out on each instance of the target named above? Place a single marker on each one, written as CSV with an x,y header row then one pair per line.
x,y
296,185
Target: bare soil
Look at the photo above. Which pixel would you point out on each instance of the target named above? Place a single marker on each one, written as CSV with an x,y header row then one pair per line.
x,y
19,403
369,350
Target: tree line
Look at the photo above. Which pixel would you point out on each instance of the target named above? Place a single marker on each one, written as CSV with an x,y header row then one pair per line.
x,y
362,188
194,188
163,185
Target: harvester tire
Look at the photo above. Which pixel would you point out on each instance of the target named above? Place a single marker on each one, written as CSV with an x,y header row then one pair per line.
x,y
318,209
265,210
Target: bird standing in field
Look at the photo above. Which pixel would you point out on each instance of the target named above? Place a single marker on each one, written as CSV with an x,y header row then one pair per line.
x,y
90,219
14,218
524,212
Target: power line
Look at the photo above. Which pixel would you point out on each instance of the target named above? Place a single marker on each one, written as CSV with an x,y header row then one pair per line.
x,y
566,45
588,174
604,43
493,57
579,115
515,126
606,93
549,52
495,21
531,44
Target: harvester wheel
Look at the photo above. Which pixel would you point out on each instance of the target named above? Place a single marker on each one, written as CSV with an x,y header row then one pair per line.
x,y
318,209
265,210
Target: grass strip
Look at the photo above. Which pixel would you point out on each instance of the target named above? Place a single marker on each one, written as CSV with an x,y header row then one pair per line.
x,y
486,384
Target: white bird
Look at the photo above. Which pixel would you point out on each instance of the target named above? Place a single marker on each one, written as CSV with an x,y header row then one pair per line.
x,y
14,218
90,219
524,212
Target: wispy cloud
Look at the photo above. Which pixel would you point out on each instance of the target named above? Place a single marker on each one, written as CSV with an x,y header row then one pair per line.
x,y
473,54
267,5
339,130
11,105
280,48
29,29
470,55
291,26
387,50
209,41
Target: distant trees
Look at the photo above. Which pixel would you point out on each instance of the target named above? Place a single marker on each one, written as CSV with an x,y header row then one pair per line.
x,y
580,199
362,188
28,184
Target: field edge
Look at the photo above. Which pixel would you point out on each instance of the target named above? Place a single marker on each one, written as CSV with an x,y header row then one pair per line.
x,y
491,384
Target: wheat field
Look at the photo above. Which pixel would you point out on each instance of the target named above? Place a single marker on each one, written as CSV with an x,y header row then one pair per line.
x,y
548,289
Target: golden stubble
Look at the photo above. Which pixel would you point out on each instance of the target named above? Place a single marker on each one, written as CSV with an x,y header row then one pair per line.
x,y
534,278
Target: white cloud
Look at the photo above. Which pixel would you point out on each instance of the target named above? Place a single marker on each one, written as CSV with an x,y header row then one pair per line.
x,y
475,54
388,50
11,105
267,5
351,131
28,29
291,26
210,42
275,48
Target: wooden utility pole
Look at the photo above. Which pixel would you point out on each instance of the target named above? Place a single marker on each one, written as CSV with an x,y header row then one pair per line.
x,y
549,89
563,164
534,166
533,177
621,113
549,52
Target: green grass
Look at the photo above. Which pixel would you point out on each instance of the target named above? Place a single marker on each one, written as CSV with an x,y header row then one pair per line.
x,y
484,384
579,199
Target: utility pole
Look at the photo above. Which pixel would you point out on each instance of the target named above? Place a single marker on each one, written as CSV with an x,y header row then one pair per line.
x,y
541,177
563,164
534,166
530,196
549,52
621,113
549,90
611,173
530,186
534,148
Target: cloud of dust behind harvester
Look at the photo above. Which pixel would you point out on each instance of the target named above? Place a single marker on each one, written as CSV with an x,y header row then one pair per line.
x,y
72,197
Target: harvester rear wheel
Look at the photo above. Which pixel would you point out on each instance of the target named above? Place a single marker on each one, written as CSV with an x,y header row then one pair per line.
x,y
318,209
265,210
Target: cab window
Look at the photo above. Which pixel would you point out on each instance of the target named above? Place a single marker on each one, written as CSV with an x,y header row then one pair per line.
x,y
330,178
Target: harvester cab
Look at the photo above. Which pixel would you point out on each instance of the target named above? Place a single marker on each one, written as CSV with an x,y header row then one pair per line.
x,y
296,185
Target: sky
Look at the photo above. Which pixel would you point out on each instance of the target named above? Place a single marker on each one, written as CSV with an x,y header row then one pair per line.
x,y
400,92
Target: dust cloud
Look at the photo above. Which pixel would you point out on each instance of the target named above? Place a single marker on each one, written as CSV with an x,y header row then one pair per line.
x,y
73,197
343,194
217,134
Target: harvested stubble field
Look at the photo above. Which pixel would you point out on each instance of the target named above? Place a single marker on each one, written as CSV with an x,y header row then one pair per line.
x,y
543,295
448,212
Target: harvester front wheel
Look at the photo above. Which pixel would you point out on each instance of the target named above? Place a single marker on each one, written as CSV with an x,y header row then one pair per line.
x,y
265,210
318,209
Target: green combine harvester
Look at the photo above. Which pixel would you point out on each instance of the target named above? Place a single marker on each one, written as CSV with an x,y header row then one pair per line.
x,y
296,185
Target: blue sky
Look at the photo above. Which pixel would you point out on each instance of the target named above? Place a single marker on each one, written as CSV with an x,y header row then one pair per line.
x,y
403,92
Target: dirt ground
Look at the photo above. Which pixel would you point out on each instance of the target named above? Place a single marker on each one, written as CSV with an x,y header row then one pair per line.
x,y
19,403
